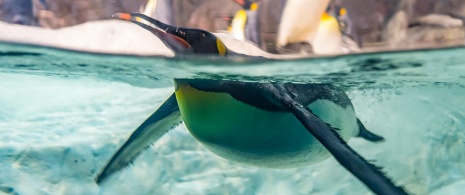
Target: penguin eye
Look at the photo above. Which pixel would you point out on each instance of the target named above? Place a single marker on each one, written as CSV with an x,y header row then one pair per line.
x,y
221,47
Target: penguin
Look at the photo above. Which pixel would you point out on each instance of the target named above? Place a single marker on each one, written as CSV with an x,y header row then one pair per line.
x,y
269,14
282,28
276,125
208,15
162,10
328,37
300,20
150,8
181,41
244,24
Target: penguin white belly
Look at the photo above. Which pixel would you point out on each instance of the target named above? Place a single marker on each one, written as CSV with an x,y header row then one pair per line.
x,y
299,20
238,25
246,134
328,39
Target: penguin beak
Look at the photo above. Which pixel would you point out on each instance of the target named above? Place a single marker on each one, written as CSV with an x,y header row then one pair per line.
x,y
159,29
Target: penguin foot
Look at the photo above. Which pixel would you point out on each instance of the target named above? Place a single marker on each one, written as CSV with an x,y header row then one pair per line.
x,y
365,134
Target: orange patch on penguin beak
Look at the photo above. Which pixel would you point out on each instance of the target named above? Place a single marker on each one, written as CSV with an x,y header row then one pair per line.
x,y
122,16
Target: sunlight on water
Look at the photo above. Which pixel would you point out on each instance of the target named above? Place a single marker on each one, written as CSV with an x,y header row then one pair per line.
x,y
63,114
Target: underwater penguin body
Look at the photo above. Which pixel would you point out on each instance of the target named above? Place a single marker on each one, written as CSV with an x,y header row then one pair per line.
x,y
229,124
262,124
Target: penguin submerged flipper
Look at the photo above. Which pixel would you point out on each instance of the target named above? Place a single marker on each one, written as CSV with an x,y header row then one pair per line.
x,y
353,162
164,119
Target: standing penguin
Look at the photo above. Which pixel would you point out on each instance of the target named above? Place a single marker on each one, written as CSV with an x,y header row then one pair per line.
x,y
293,26
300,20
328,36
244,24
280,117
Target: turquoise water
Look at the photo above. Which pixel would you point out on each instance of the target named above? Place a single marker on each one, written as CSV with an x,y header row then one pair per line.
x,y
64,113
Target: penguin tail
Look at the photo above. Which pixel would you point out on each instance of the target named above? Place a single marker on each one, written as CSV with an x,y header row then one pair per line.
x,y
365,134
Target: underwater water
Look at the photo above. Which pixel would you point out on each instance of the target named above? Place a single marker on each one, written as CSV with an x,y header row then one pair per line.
x,y
63,114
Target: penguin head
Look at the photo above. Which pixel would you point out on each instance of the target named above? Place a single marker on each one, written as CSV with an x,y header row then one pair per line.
x,y
179,40
330,22
248,4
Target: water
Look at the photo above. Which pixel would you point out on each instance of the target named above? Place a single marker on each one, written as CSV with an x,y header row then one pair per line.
x,y
64,113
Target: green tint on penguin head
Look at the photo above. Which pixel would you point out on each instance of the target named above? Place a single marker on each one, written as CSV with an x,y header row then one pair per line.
x,y
179,40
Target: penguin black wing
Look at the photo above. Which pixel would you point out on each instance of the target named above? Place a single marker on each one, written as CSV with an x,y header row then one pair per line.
x,y
276,97
353,162
165,118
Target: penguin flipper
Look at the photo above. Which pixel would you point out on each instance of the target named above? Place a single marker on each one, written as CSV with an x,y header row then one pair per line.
x,y
161,121
365,134
326,135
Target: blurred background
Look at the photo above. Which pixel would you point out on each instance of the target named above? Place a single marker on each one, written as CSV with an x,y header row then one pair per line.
x,y
359,24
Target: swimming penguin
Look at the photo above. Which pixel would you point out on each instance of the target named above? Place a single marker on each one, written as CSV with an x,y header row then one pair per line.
x,y
277,117
288,125
179,40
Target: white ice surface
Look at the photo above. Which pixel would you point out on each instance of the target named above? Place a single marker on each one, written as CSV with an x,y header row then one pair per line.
x,y
57,132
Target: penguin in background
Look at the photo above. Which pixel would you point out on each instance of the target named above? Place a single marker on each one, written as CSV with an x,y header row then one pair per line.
x,y
293,28
244,24
290,125
160,10
262,26
332,36
269,15
328,36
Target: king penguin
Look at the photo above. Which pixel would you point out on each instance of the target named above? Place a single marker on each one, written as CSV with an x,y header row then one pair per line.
x,y
328,37
244,24
277,125
300,20
181,41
